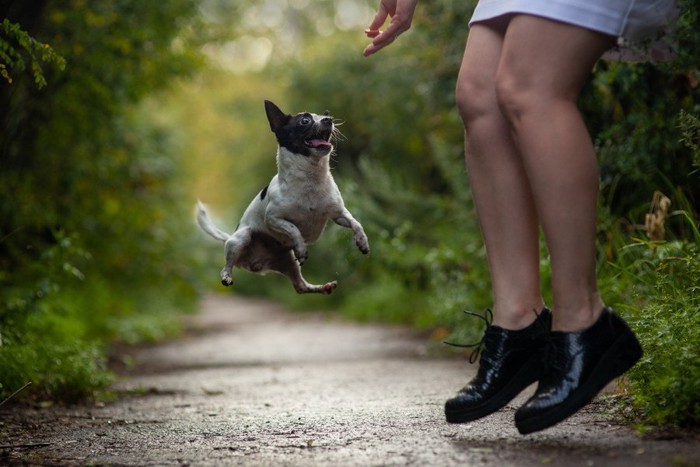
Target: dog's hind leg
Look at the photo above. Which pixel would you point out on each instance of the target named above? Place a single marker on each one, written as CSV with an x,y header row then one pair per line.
x,y
290,268
233,247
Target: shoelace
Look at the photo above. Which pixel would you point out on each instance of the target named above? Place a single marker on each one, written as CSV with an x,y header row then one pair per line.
x,y
488,319
479,346
554,360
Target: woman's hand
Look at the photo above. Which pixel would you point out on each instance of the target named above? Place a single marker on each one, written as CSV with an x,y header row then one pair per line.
x,y
401,12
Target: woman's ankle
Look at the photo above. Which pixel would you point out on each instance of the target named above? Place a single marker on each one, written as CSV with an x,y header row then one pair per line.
x,y
574,318
517,318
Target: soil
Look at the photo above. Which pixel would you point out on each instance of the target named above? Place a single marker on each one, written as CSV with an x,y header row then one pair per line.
x,y
253,384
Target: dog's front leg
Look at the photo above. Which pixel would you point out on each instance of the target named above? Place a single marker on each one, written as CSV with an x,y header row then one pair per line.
x,y
345,219
283,227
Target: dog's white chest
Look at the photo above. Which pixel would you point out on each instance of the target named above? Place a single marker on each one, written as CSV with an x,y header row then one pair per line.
x,y
309,206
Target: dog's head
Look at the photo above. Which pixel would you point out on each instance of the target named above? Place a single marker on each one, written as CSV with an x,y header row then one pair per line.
x,y
304,133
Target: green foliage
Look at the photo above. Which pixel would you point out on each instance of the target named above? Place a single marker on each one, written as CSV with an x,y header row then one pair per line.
x,y
690,129
14,42
635,112
664,280
687,39
95,232
31,322
658,285
63,371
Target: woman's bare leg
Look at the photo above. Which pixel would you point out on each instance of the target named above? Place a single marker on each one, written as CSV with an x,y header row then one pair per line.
x,y
542,68
499,183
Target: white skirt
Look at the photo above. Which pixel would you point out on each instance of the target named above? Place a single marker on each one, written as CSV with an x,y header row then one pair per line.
x,y
632,20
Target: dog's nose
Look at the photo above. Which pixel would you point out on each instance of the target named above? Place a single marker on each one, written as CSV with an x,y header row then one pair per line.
x,y
327,120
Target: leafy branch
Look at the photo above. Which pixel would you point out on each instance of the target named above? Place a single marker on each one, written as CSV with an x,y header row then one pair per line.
x,y
690,127
15,43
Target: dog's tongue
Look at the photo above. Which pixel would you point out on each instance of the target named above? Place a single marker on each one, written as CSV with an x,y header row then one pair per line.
x,y
318,143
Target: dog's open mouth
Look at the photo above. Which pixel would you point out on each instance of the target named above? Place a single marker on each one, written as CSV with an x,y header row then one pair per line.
x,y
319,141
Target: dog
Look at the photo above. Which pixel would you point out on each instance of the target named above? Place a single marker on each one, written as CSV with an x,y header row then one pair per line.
x,y
293,209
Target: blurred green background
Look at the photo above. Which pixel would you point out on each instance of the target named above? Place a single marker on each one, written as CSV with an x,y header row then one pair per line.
x,y
117,115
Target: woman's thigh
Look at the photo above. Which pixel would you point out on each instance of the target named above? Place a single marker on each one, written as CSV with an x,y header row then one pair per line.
x,y
549,58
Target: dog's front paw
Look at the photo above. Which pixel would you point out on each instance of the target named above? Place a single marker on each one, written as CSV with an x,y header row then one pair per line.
x,y
301,255
362,243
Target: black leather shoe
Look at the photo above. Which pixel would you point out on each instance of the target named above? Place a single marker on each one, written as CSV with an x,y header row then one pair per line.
x,y
579,365
510,361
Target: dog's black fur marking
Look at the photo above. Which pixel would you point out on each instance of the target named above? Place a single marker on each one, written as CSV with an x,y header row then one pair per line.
x,y
263,193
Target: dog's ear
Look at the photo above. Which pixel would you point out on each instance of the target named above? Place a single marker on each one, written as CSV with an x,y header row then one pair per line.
x,y
275,116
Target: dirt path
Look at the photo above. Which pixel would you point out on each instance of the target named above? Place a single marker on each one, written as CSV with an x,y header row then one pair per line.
x,y
255,385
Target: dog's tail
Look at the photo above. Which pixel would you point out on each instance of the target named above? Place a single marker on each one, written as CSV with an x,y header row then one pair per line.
x,y
206,224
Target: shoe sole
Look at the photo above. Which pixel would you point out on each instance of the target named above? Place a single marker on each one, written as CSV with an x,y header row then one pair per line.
x,y
620,357
522,379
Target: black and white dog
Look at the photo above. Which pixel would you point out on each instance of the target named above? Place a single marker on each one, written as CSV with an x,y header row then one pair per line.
x,y
293,209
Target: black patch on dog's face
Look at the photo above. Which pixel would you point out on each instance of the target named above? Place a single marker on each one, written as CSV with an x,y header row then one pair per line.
x,y
303,133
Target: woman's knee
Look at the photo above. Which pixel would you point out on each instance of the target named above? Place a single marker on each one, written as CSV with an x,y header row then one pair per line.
x,y
513,98
475,99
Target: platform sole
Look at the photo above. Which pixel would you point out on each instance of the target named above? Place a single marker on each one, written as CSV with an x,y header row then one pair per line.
x,y
624,352
522,379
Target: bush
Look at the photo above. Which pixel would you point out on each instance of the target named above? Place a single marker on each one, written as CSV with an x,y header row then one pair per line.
x,y
660,283
665,313
94,230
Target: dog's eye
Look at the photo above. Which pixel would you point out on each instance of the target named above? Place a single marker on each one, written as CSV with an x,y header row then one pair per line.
x,y
306,120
